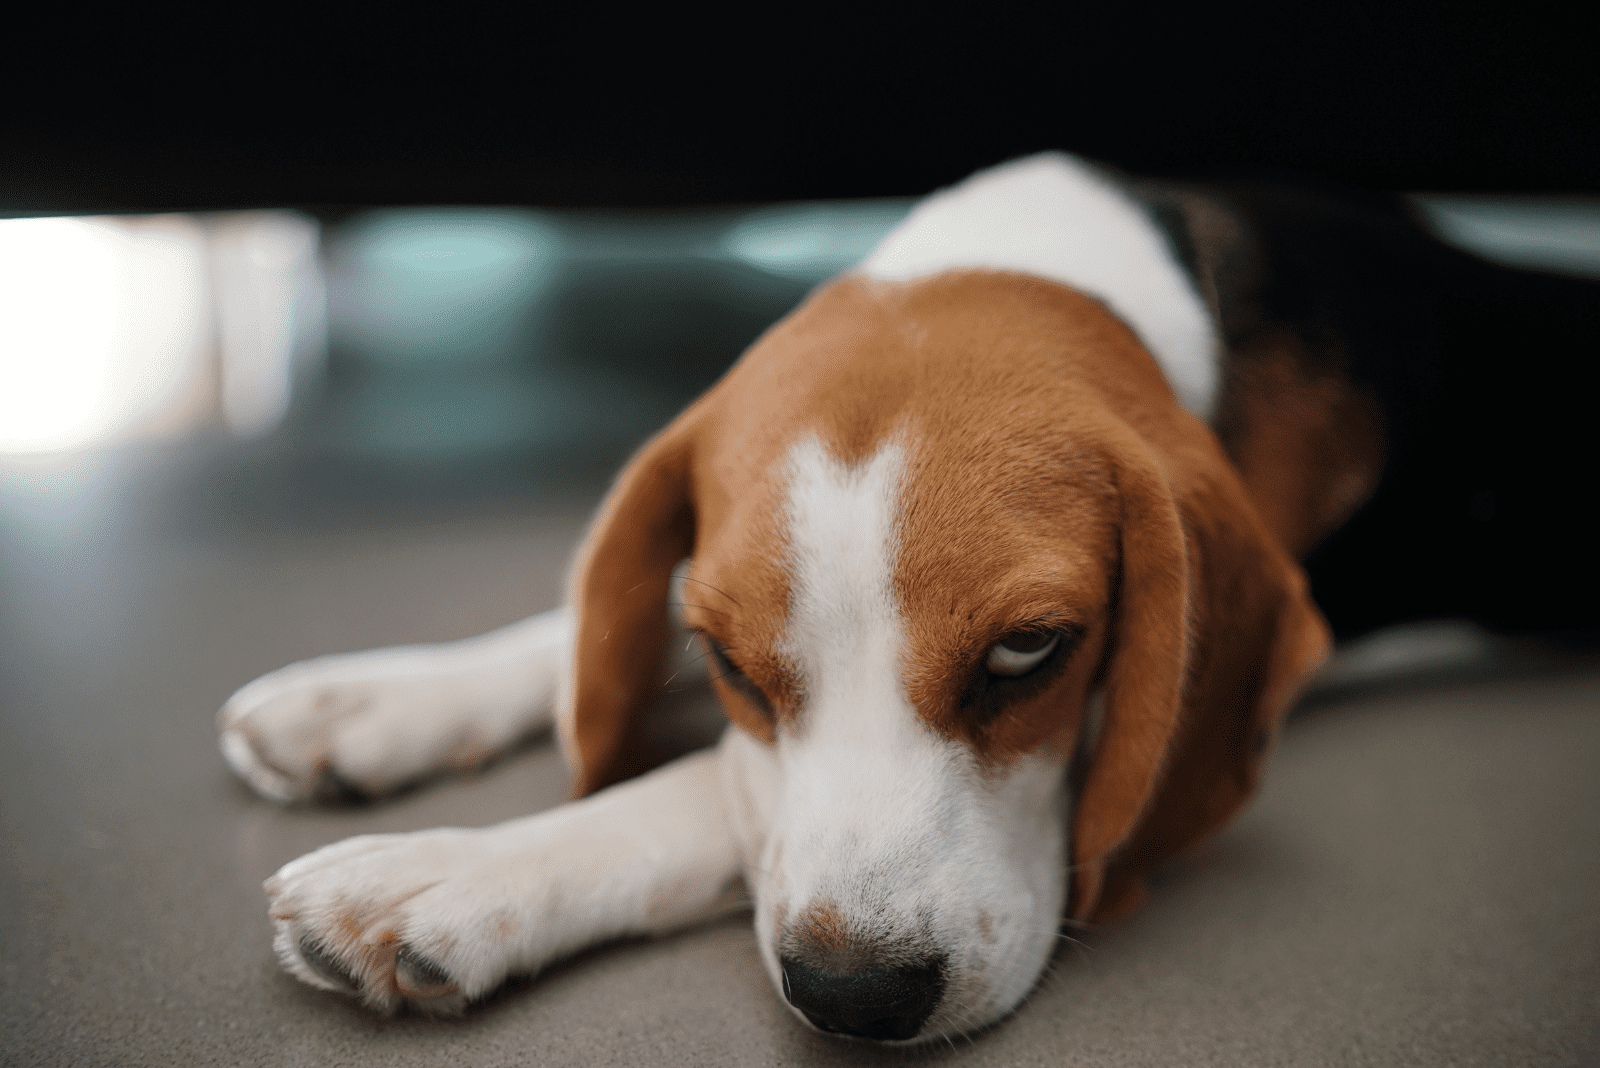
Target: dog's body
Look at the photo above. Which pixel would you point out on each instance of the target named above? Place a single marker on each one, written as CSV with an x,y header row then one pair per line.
x,y
993,552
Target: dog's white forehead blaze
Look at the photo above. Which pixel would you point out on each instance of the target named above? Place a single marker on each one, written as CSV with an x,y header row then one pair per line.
x,y
844,627
1055,217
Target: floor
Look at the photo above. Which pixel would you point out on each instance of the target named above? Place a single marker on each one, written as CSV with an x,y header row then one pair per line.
x,y
1415,886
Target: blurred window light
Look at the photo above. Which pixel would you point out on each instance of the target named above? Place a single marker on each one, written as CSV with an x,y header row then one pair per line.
x,y
151,326
102,325
60,280
813,241
270,313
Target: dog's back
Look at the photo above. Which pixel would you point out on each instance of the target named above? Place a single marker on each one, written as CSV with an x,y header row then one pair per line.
x,y
1463,386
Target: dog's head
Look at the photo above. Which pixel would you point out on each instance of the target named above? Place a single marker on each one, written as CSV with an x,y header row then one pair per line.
x,y
950,538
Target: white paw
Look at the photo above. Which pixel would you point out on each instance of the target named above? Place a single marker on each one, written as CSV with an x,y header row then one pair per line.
x,y
430,919
370,723
336,726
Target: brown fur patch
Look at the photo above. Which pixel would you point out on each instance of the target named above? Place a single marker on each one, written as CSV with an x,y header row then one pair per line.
x,y
1309,447
824,936
821,928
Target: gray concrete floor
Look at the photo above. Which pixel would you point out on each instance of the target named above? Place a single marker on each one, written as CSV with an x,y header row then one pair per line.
x,y
1417,884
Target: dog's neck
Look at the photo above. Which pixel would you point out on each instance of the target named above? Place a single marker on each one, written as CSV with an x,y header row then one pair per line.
x,y
1057,217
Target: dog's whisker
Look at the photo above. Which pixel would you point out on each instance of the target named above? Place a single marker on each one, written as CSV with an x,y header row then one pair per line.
x,y
707,585
1081,951
966,1014
685,666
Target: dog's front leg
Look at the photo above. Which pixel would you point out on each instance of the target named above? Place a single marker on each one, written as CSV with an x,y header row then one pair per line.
x,y
437,918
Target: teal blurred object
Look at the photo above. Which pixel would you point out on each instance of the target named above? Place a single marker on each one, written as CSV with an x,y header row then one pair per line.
x,y
810,242
465,335
440,285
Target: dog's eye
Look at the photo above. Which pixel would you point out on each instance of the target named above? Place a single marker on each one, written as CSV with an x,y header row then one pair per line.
x,y
730,673
1018,666
1019,654
719,657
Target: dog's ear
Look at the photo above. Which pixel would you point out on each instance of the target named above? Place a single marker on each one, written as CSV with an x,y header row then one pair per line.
x,y
1215,633
618,598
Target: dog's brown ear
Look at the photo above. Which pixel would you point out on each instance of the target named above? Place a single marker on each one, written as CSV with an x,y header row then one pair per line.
x,y
1144,677
1215,633
618,597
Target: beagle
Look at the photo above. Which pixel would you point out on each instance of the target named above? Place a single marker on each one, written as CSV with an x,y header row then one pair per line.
x,y
991,549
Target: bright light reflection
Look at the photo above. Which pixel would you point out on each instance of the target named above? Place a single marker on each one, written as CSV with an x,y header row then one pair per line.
x,y
139,326
1544,233
61,283
270,311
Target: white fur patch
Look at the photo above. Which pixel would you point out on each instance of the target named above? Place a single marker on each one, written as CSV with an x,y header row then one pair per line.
x,y
387,717
1053,216
844,625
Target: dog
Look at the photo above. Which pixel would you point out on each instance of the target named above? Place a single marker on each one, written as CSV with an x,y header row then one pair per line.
x,y
992,550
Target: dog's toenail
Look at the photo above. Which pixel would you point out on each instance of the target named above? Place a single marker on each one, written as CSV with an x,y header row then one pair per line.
x,y
419,977
331,788
324,963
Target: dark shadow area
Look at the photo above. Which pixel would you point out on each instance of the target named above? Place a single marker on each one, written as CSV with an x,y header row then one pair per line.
x,y
202,108
1430,655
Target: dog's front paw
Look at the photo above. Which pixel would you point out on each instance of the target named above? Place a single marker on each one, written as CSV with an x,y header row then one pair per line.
x,y
357,726
369,723
400,919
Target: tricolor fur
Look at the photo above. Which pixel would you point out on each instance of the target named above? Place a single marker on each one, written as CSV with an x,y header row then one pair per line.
x,y
991,437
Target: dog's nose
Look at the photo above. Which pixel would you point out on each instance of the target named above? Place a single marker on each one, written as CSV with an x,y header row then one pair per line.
x,y
882,1003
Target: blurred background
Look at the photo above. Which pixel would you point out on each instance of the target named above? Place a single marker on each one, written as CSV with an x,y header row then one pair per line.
x,y
436,339
365,357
